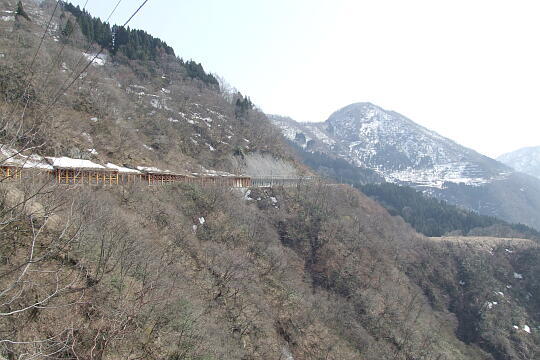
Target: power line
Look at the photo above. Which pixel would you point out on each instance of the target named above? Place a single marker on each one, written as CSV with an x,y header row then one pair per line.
x,y
57,60
31,64
44,34
135,13
63,90
112,12
86,51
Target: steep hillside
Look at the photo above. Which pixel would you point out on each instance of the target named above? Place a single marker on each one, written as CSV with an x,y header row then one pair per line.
x,y
403,152
395,147
433,217
335,168
183,271
427,215
137,104
526,160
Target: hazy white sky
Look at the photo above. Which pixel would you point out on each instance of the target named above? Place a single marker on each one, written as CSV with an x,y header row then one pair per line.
x,y
468,69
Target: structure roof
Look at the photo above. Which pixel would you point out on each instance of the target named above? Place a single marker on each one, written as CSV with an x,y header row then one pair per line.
x,y
69,163
121,169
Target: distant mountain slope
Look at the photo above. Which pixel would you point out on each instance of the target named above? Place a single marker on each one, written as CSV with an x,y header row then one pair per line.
x,y
403,152
433,217
394,146
525,160
427,215
333,167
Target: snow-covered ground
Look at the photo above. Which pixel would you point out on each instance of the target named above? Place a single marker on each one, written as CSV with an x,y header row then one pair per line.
x,y
100,60
393,146
66,162
438,175
121,169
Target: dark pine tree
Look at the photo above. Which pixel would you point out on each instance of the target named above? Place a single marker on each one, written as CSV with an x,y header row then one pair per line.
x,y
20,11
68,29
131,43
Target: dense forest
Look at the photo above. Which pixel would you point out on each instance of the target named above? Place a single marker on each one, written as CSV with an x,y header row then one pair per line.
x,y
132,43
428,216
434,217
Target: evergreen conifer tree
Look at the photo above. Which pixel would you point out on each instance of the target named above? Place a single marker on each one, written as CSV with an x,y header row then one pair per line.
x,y
20,11
68,29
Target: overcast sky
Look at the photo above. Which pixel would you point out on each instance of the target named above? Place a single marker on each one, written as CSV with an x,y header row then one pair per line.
x,y
468,69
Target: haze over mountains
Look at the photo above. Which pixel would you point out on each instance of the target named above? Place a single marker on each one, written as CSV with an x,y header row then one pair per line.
x,y
403,152
525,160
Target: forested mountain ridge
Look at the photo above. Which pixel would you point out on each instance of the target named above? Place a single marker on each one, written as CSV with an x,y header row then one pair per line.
x,y
131,43
137,103
433,217
427,215
182,271
402,152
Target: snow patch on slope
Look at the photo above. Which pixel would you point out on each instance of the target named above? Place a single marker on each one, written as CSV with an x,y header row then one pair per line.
x,y
98,61
399,150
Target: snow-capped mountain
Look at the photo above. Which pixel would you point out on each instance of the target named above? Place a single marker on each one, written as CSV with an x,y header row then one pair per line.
x,y
395,147
403,152
526,160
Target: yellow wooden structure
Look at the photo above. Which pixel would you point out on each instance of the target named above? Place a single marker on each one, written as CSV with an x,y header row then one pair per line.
x,y
83,176
157,178
10,171
69,171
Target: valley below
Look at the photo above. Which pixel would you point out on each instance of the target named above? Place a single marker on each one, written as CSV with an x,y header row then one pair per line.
x,y
396,150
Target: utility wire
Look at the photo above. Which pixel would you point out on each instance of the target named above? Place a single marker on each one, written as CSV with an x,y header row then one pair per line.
x,y
81,58
135,13
58,57
44,34
31,64
63,90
